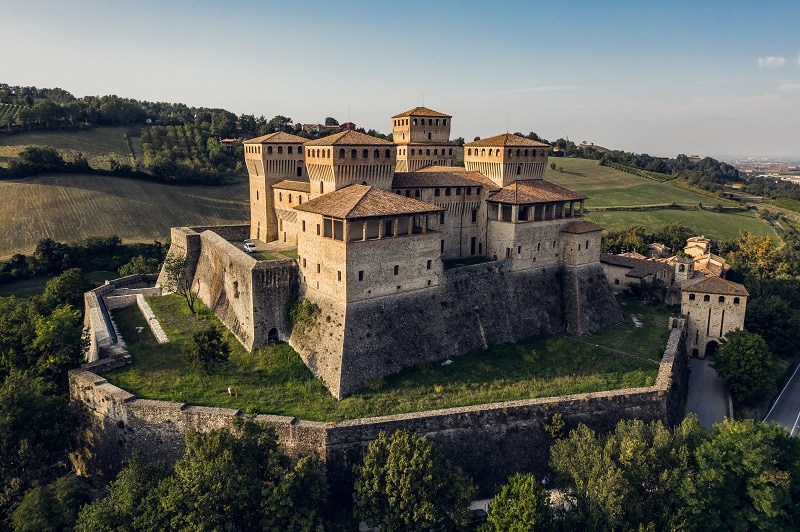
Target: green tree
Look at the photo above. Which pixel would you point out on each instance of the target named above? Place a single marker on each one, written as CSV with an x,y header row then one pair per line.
x,y
59,344
53,506
330,121
406,483
744,364
207,349
66,289
178,279
747,478
520,505
629,478
140,265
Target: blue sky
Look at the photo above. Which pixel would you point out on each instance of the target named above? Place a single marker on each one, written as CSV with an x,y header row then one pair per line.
x,y
710,78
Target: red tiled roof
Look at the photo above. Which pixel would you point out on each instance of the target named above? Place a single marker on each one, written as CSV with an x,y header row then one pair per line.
x,y
639,268
507,139
534,191
442,176
421,111
349,138
299,186
363,201
279,137
716,285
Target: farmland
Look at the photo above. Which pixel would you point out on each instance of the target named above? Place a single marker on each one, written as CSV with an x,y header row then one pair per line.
x,y
70,207
98,145
609,188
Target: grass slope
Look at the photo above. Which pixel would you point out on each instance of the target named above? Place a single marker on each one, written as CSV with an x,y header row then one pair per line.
x,y
69,207
607,187
273,380
98,145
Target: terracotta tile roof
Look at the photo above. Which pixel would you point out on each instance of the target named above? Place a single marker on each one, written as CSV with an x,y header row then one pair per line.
x,y
299,186
716,285
639,268
349,138
507,139
279,137
442,176
578,227
534,191
363,201
421,111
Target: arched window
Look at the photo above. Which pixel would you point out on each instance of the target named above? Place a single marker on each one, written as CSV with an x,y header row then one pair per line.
x,y
269,150
735,300
517,152
722,299
469,151
706,297
415,121
353,153
458,191
681,268
377,154
526,153
509,152
412,151
437,121
430,121
280,149
428,151
519,169
280,196
444,122
321,189
341,153
299,149
451,151
429,135
389,153
289,149
490,153
691,297
483,151
435,152
290,198
365,153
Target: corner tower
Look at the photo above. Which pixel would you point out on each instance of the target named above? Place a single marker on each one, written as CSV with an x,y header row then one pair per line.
x,y
270,159
422,137
507,158
349,157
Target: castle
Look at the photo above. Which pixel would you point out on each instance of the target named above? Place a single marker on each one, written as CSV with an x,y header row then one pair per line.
x,y
406,257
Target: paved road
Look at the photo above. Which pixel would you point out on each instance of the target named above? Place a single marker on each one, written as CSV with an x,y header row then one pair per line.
x,y
707,398
786,410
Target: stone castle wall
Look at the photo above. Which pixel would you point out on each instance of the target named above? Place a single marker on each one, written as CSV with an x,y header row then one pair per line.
x,y
489,442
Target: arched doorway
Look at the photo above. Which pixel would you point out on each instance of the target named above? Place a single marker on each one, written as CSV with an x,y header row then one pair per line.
x,y
711,348
695,352
272,336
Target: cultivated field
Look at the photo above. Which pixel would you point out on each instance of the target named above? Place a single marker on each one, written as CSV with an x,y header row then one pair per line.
x,y
607,187
70,207
98,145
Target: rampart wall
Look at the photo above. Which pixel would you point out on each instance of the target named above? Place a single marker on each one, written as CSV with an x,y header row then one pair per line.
x,y
488,441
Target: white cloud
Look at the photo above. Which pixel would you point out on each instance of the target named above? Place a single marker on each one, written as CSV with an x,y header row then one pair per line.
x,y
789,85
770,62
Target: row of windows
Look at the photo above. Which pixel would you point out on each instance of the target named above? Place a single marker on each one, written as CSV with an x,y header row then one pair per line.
x,y
428,151
421,122
438,192
498,151
257,149
708,298
395,269
299,198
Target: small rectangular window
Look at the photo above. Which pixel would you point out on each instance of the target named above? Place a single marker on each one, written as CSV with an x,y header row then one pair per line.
x,y
304,263
447,192
319,267
442,246
339,275
428,265
361,275
519,250
304,226
469,191
396,269
474,215
317,229
436,192
441,217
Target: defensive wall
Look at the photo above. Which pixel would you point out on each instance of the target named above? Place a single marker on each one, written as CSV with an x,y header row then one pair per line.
x,y
489,442
473,308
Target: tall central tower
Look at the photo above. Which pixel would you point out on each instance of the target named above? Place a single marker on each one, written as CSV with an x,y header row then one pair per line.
x,y
422,137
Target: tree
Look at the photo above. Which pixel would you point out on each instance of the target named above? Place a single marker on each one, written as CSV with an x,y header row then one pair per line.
x,y
519,506
66,289
140,265
178,279
744,364
747,478
330,121
53,506
208,349
629,478
406,483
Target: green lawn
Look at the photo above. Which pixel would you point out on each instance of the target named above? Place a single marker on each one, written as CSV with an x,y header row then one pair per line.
x,y
273,379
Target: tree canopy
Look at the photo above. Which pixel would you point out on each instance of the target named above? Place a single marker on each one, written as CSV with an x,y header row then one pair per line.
x,y
744,364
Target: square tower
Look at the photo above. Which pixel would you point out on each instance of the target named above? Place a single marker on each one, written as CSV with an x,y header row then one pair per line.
x,y
507,158
422,137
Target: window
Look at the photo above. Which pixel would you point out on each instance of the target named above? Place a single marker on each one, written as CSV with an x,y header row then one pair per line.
x,y
437,121
436,192
616,281
321,187
722,299
469,151
299,149
269,150
304,262
469,191
441,246
416,193
319,267
290,198
289,149
365,153
413,151
353,153
428,265
280,149
361,275
396,269
436,152
256,194
691,297
428,151
300,199
388,153
280,196
304,226
341,152
429,136
447,191
587,244
451,151
519,250
458,191
408,193
376,154
706,297
339,275
441,217
474,216
317,229
478,191
735,300
444,122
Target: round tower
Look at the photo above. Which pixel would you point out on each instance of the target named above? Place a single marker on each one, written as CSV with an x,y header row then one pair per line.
x,y
270,159
507,158
422,137
349,157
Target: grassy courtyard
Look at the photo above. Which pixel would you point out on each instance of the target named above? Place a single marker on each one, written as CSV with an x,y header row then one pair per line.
x,y
273,379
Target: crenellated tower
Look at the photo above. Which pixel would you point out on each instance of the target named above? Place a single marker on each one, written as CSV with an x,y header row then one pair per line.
x,y
270,159
507,158
349,157
422,137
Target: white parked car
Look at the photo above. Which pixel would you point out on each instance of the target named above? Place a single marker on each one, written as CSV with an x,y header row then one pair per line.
x,y
249,247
